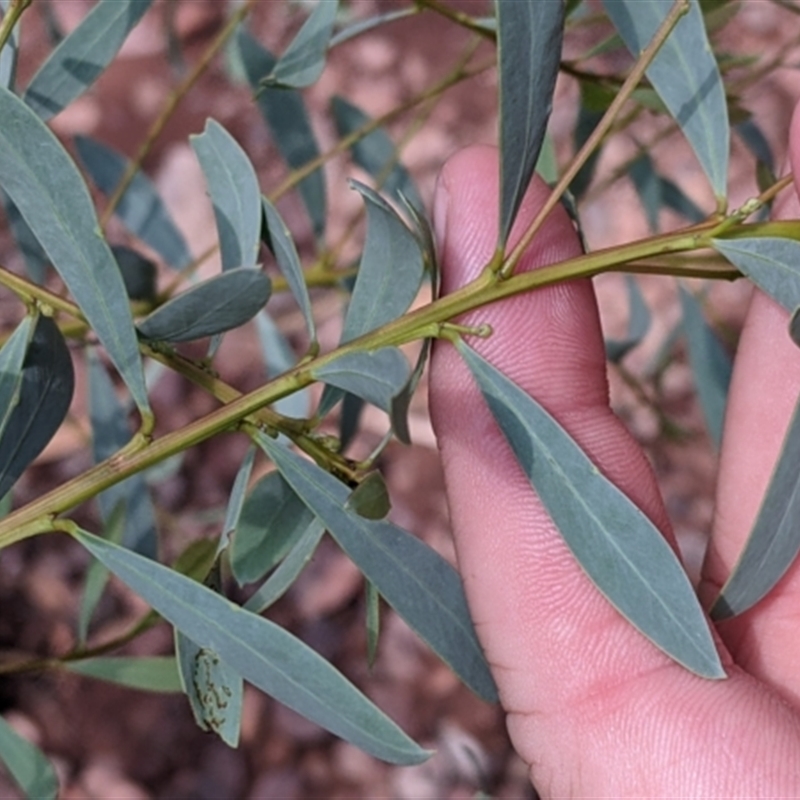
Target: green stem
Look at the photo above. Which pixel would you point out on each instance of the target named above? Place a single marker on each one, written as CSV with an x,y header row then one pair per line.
x,y
12,16
679,8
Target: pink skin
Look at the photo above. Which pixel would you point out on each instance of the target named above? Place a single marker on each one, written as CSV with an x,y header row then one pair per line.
x,y
593,707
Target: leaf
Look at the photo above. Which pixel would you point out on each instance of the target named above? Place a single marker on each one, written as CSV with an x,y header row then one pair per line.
x,y
685,75
286,116
27,765
138,273
617,546
638,323
44,184
150,674
215,690
529,35
375,153
233,513
282,246
771,263
756,142
81,58
8,55
375,376
110,433
367,24
216,305
774,540
304,59
287,571
12,356
263,653
401,402
370,499
373,602
273,518
594,102
44,397
140,208
711,365
414,579
233,187
390,272
349,414
36,259
279,357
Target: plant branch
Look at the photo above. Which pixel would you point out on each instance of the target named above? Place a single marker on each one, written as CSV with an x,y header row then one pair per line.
x,y
679,8
12,16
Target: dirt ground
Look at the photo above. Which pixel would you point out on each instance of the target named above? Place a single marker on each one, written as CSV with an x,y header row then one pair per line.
x,y
108,742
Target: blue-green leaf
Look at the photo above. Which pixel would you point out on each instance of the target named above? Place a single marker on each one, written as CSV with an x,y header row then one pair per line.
x,y
12,356
45,393
390,272
138,273
529,35
263,653
286,116
615,543
771,263
685,75
27,765
414,579
233,187
140,208
110,433
304,59
44,184
272,520
774,541
711,365
375,153
80,59
233,512
150,674
282,246
36,259
215,690
219,304
367,24
376,377
638,323
287,571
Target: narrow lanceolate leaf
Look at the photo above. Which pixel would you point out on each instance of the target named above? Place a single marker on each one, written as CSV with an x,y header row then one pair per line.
x,y
285,114
36,259
638,323
273,518
771,263
110,433
414,579
711,365
774,541
140,208
44,184
263,653
282,246
219,304
151,674
618,547
376,377
44,397
304,59
80,59
233,512
12,356
27,765
375,153
390,272
685,75
215,690
287,571
233,187
529,36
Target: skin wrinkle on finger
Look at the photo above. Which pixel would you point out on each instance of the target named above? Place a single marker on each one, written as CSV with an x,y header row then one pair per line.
x,y
764,390
576,674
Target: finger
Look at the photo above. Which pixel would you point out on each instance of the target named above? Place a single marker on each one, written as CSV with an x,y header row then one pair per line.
x,y
764,390
593,706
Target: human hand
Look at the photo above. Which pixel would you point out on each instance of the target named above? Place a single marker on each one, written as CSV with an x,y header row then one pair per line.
x,y
593,707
